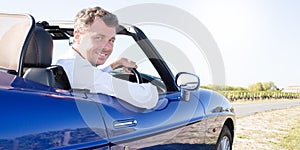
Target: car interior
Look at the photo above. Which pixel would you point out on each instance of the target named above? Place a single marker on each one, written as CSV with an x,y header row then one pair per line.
x,y
37,59
35,62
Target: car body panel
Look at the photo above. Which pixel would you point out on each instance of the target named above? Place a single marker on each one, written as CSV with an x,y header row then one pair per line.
x,y
44,119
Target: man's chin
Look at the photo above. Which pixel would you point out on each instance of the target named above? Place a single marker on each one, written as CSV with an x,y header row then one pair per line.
x,y
100,63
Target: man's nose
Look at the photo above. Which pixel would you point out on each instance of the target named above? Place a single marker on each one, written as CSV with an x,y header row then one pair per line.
x,y
108,45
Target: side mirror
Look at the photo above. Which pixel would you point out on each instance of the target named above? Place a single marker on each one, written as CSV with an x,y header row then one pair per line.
x,y
187,82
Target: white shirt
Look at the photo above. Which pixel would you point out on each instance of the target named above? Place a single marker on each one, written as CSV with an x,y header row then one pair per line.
x,y
82,75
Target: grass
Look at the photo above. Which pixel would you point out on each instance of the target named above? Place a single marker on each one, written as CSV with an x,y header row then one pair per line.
x,y
291,141
270,130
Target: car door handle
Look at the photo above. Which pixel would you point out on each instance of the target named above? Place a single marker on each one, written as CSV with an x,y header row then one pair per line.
x,y
125,123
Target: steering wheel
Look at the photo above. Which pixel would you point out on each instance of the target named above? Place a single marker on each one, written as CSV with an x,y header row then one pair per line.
x,y
137,75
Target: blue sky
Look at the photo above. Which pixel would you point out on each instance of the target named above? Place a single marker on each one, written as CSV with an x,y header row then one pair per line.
x,y
258,39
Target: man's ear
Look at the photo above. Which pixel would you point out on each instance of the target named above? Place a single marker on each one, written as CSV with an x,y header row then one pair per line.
x,y
76,37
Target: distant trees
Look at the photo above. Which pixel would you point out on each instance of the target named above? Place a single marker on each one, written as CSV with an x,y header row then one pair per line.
x,y
256,87
224,88
266,86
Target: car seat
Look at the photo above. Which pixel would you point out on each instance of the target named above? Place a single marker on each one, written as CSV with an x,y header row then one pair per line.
x,y
37,61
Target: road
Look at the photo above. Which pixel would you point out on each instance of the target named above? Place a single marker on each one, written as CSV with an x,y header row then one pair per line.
x,y
249,108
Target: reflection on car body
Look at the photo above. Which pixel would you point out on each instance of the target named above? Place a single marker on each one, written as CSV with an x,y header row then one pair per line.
x,y
39,109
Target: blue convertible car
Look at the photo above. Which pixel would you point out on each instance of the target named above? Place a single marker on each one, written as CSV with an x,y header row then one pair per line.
x,y
40,110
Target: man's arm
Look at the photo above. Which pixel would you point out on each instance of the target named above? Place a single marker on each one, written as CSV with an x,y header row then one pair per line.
x,y
124,63
107,69
143,95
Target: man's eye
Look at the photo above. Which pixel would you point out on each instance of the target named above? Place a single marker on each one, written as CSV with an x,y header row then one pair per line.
x,y
98,37
112,40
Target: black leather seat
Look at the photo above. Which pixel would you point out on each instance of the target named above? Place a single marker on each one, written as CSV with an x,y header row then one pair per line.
x,y
37,62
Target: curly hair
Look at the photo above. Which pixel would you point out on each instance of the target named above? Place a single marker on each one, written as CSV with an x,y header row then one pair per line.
x,y
86,17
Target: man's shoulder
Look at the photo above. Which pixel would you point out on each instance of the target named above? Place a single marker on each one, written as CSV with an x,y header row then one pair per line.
x,y
66,55
65,63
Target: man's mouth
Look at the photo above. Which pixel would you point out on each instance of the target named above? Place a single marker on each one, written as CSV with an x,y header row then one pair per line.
x,y
102,55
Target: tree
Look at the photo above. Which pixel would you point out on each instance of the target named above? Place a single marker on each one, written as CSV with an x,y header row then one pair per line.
x,y
256,87
269,86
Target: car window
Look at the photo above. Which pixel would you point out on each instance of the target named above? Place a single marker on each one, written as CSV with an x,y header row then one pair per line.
x,y
126,46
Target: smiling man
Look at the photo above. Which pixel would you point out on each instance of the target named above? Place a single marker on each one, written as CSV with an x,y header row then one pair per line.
x,y
94,36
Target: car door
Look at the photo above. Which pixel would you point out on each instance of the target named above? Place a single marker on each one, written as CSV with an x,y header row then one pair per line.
x,y
173,123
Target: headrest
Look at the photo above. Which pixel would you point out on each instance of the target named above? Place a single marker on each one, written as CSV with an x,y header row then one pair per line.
x,y
40,49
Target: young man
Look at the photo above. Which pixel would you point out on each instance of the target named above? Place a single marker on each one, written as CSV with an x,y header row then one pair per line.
x,y
94,36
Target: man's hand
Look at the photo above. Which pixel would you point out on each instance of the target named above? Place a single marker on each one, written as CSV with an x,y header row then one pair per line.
x,y
124,63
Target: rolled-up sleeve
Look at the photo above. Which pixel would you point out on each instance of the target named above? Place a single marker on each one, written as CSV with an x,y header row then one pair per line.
x,y
107,69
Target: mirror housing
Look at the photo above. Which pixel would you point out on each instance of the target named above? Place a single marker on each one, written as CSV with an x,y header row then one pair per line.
x,y
186,82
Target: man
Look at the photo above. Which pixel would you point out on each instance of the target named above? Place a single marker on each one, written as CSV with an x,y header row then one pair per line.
x,y
94,36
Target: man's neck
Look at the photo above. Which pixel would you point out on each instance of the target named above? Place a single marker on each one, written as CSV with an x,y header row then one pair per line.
x,y
77,52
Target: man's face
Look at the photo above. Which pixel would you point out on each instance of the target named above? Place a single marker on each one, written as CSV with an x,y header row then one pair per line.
x,y
96,45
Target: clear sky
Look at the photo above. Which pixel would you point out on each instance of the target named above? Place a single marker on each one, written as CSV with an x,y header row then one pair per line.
x,y
259,39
